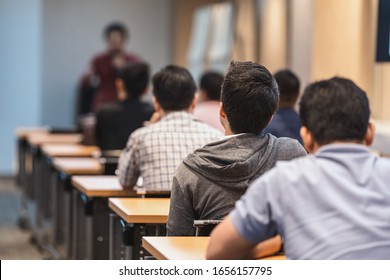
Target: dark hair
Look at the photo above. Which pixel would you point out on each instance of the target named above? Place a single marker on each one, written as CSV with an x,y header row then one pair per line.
x,y
289,86
211,83
250,97
135,77
174,88
335,110
116,27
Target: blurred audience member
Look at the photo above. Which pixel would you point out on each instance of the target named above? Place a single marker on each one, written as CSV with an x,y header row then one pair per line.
x,y
98,85
115,121
286,121
210,91
153,152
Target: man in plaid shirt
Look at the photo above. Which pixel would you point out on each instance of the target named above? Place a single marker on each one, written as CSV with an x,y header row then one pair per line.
x,y
153,152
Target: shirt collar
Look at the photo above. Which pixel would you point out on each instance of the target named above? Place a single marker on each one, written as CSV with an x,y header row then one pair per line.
x,y
342,147
177,115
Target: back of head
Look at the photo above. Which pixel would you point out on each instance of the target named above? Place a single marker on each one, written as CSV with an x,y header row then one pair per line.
x,y
250,97
289,86
135,77
335,110
116,27
174,88
211,83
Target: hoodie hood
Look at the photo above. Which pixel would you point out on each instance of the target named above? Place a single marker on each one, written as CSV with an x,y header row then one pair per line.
x,y
232,161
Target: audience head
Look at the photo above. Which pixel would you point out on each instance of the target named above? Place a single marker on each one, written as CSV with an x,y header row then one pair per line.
x,y
289,86
249,98
210,86
174,89
133,82
116,34
335,110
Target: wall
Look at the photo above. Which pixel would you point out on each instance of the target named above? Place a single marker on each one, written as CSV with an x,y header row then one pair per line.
x,y
20,72
73,34
300,36
346,47
46,46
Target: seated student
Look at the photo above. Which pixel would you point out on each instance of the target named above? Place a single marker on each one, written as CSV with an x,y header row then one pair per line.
x,y
117,120
333,204
210,92
213,178
286,121
155,151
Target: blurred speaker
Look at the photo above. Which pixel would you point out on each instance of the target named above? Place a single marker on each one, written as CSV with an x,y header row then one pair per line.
x,y
383,41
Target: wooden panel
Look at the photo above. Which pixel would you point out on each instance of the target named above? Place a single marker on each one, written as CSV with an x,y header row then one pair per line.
x,y
100,186
78,166
141,210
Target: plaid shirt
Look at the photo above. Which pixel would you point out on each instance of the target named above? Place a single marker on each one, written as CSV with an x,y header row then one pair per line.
x,y
154,152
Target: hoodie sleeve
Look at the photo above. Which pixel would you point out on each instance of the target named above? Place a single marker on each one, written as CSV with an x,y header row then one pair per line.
x,y
181,215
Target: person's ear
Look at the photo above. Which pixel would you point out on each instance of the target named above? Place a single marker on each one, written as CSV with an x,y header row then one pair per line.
x,y
202,95
270,120
194,102
308,140
120,89
370,134
156,105
222,117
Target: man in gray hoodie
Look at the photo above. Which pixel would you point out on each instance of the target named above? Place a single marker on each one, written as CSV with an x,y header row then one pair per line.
x,y
210,180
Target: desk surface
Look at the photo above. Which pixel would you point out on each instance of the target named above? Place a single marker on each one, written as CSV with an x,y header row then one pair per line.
x,y
46,138
181,248
141,210
24,132
68,150
78,166
100,186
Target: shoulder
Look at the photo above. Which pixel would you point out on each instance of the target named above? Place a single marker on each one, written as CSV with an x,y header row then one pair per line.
x,y
108,108
207,129
288,148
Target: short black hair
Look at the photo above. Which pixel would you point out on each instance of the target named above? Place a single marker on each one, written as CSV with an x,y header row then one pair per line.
x,y
174,88
289,86
116,27
335,110
211,83
250,97
135,77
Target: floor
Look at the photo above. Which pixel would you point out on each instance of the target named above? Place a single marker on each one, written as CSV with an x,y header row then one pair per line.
x,y
14,243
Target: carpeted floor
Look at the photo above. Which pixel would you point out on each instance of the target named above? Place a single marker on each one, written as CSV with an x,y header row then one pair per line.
x,y
14,243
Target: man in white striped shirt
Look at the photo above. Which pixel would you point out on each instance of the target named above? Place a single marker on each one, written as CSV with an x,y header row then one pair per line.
x,y
153,152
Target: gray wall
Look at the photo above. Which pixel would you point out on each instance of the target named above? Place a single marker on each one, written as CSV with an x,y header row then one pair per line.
x,y
47,44
20,72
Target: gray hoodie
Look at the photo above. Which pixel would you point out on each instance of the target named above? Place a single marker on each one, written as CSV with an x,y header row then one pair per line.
x,y
211,179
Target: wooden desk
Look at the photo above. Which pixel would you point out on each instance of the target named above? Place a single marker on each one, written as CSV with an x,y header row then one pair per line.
x,y
181,248
46,138
68,150
25,132
141,210
91,214
78,166
100,186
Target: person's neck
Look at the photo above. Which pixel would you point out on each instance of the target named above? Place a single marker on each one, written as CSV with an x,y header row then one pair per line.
x,y
286,105
318,146
164,113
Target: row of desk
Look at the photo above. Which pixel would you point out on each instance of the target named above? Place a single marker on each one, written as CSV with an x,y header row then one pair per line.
x,y
77,209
